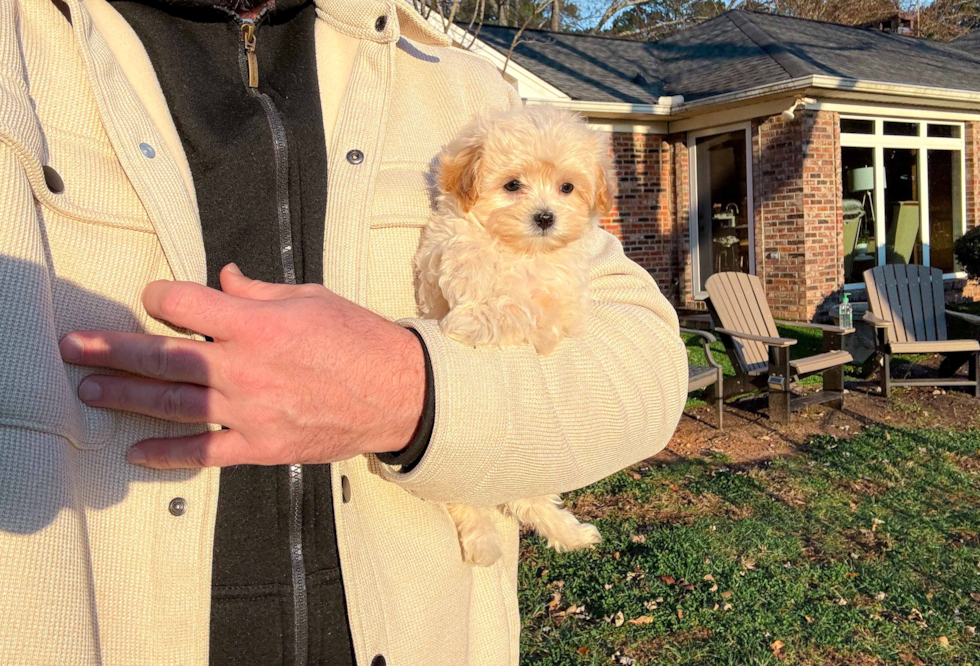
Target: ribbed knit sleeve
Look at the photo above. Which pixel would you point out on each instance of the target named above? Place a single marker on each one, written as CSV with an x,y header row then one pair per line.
x,y
510,423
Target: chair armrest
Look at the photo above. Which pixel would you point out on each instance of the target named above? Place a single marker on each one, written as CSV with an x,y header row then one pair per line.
x,y
701,334
772,342
875,320
822,327
965,316
706,340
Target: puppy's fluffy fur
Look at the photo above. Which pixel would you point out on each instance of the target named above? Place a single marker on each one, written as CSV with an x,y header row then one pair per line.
x,y
502,262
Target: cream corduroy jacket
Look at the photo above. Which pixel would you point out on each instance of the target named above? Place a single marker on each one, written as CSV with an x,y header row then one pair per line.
x,y
94,569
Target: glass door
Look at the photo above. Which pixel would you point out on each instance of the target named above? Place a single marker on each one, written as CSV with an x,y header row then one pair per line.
x,y
903,243
722,234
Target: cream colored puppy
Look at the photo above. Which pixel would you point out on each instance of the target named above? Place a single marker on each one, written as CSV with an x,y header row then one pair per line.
x,y
502,262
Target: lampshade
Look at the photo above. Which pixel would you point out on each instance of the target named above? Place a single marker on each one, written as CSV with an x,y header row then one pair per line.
x,y
861,180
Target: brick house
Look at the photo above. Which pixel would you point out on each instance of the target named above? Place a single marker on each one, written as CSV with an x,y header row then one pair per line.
x,y
800,151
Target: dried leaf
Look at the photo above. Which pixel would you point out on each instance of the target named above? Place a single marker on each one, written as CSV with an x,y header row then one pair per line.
x,y
680,614
726,594
639,538
975,596
619,619
643,619
971,631
583,650
809,620
726,607
709,577
607,586
616,555
715,608
667,579
776,646
635,476
943,641
713,588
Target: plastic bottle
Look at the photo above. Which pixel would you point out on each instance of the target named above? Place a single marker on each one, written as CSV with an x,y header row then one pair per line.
x,y
845,314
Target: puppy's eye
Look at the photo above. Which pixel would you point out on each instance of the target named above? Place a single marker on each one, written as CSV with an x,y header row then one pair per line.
x,y
513,186
567,188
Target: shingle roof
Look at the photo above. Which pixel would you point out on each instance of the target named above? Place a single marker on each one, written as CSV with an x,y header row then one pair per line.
x,y
734,51
968,42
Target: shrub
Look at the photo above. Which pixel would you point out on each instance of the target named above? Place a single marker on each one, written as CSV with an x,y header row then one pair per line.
x,y
967,249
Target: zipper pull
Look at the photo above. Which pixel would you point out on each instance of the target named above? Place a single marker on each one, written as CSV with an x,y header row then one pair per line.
x,y
248,38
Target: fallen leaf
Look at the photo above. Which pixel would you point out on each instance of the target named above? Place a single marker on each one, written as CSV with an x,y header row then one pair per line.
x,y
975,596
943,641
713,588
616,555
971,631
680,614
880,596
607,586
583,650
650,605
777,646
635,476
726,594
639,538
715,608
643,619
726,607
709,577
667,579
809,620
619,619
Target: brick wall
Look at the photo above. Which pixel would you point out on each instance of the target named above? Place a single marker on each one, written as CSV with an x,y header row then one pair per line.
x,y
972,141
799,219
643,215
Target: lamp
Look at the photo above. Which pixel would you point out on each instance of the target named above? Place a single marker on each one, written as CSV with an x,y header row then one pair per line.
x,y
863,180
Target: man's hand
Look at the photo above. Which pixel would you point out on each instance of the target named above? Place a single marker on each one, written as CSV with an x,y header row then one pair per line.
x,y
296,373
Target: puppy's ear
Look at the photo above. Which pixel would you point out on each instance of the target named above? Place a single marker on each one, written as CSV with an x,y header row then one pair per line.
x,y
459,166
606,183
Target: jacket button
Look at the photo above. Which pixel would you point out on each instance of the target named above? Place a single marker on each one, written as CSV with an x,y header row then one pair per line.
x,y
53,180
355,156
147,151
178,506
380,24
345,488
379,660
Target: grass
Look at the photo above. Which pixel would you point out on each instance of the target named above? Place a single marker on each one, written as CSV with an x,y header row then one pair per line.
x,y
861,551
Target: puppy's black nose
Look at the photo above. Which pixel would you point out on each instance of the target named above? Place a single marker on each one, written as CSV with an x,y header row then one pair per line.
x,y
544,219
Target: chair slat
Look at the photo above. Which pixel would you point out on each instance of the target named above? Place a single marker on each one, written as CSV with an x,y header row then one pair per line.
x,y
928,303
905,300
921,309
737,307
939,304
735,303
894,304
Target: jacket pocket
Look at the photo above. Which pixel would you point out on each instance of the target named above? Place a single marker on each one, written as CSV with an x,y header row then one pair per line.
x,y
404,197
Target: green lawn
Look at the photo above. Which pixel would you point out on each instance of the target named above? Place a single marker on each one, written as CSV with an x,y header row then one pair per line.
x,y
858,551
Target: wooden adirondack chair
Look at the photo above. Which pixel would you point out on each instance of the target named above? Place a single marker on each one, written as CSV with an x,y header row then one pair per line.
x,y
699,376
908,310
761,358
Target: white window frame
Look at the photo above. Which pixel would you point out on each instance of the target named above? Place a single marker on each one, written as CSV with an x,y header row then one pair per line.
x,y
922,143
692,179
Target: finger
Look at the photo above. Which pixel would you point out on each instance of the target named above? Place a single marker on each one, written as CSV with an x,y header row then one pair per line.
x,y
216,448
156,356
234,283
182,403
194,307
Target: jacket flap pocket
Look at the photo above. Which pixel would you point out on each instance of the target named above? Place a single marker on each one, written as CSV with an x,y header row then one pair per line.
x,y
404,197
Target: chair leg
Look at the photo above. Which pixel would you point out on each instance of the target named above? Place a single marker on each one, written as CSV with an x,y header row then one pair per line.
x,y
974,358
833,380
780,396
886,375
719,401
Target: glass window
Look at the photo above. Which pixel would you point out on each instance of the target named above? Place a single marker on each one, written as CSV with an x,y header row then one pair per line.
x,y
857,126
902,239
945,207
943,131
860,245
901,129
722,192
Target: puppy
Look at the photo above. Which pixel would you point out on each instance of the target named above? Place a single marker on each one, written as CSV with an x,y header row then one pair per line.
x,y
503,262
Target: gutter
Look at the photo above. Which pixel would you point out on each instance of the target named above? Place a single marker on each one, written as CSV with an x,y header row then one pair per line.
x,y
676,110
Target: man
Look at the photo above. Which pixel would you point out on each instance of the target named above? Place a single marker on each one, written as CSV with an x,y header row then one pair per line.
x,y
146,145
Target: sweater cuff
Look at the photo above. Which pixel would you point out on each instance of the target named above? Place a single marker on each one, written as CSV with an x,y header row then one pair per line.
x,y
410,456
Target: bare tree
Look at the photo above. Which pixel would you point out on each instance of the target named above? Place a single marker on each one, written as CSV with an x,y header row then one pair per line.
x,y
556,15
537,10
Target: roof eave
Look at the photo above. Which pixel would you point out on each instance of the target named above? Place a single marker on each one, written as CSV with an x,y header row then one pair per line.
x,y
825,86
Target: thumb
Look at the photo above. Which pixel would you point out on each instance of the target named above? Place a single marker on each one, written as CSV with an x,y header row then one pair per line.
x,y
234,283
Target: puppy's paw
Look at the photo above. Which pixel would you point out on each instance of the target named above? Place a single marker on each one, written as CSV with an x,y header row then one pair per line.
x,y
577,537
481,549
468,326
545,340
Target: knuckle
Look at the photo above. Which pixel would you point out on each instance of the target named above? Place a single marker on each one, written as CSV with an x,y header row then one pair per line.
x,y
174,302
172,402
155,360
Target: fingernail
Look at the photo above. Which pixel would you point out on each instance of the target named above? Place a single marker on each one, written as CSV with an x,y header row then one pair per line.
x,y
235,269
71,349
136,456
90,390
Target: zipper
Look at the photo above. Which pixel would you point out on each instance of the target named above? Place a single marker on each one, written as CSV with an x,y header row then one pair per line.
x,y
248,62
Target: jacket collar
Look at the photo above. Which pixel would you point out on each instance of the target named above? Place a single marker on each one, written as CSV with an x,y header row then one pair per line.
x,y
396,18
